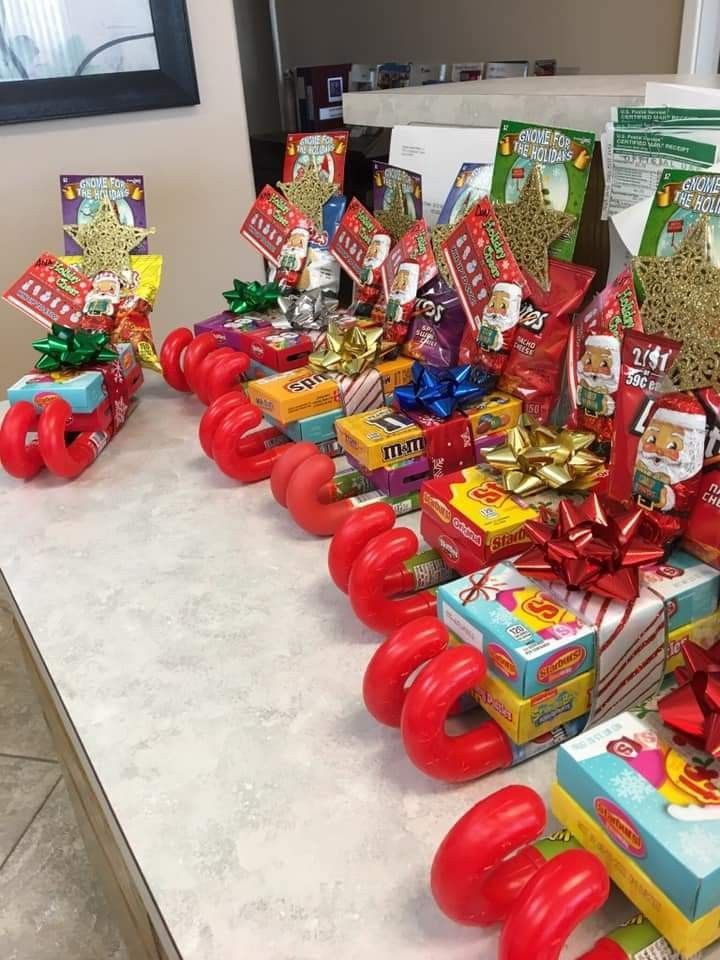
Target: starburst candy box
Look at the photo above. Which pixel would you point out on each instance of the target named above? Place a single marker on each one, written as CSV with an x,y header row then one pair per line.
x,y
689,587
656,798
472,521
531,642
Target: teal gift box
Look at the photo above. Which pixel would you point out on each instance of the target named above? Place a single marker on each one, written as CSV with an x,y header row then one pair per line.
x,y
316,429
530,641
657,799
689,587
84,390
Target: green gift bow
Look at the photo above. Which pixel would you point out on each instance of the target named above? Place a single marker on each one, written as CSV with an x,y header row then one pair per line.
x,y
251,297
65,347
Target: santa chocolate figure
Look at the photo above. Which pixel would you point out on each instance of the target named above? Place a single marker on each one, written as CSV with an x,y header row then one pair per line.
x,y
500,318
598,373
668,463
292,257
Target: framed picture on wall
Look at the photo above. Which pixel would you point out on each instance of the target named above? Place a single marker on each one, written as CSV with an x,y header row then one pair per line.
x,y
70,58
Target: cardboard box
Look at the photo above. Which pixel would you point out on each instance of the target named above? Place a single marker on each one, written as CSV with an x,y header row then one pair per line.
x,y
84,391
407,475
227,328
526,719
685,936
279,349
291,396
655,799
704,632
689,587
385,436
315,429
531,642
472,521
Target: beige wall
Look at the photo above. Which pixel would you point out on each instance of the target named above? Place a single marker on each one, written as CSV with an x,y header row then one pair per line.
x,y
199,185
614,36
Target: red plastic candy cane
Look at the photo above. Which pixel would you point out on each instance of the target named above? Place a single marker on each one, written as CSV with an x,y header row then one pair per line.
x,y
214,416
428,704
311,500
207,366
232,458
171,354
563,893
196,352
463,877
18,457
394,661
356,531
285,466
65,461
224,376
366,586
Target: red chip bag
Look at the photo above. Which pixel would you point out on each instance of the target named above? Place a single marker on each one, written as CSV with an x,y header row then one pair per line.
x,y
702,536
594,356
534,368
490,285
658,438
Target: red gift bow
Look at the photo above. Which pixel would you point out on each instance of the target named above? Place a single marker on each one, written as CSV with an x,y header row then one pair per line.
x,y
694,708
592,548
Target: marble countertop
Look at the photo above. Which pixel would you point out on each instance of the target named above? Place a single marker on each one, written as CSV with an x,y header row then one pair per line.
x,y
212,672
578,102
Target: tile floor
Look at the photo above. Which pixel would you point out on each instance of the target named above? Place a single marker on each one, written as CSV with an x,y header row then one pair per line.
x,y
51,906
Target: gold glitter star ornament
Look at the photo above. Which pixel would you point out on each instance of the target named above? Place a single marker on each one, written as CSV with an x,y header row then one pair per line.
x,y
309,193
682,300
395,218
106,243
531,227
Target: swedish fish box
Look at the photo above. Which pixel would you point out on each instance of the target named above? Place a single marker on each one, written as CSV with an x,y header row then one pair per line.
x,y
530,641
656,798
472,521
526,719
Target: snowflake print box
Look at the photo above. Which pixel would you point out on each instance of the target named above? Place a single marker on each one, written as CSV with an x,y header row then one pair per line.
x,y
531,642
656,799
99,398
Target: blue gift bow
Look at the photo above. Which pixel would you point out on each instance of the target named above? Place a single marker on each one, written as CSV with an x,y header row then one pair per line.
x,y
440,391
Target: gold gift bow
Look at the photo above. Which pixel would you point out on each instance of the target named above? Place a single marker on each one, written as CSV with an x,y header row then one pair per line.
x,y
536,457
351,347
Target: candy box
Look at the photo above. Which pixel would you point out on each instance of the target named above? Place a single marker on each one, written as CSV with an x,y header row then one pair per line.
x,y
399,478
704,632
526,719
297,394
379,438
226,327
275,348
472,521
84,390
530,642
315,429
656,798
685,936
689,587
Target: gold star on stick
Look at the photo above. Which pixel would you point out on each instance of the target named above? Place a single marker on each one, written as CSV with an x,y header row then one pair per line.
x,y
106,243
394,217
531,226
309,193
438,235
682,300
